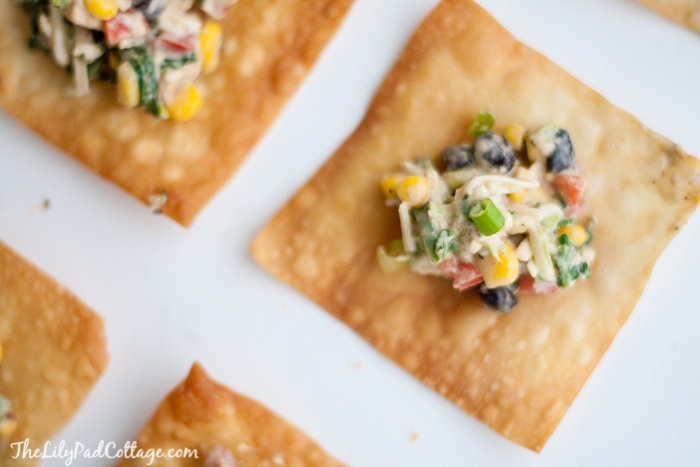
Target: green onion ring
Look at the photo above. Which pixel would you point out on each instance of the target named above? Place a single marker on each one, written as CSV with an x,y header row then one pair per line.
x,y
486,216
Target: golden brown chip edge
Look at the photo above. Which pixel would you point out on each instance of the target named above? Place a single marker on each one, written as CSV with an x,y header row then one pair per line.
x,y
270,47
55,350
412,319
200,413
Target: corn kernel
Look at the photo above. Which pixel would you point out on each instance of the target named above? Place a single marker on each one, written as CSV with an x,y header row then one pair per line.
x,y
389,185
501,270
186,105
211,40
576,234
515,135
413,190
127,85
102,9
518,196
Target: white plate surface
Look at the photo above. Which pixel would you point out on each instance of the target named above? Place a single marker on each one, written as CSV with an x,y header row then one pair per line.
x,y
171,296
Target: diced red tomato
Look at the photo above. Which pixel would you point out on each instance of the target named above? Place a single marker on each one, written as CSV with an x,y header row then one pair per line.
x,y
570,187
124,26
527,284
217,9
464,275
177,44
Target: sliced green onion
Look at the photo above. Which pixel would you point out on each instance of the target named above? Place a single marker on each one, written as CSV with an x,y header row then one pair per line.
x,y
482,123
394,258
486,216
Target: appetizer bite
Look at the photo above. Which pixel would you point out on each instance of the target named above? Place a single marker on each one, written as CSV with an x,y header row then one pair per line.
x,y
203,423
500,218
52,352
518,372
157,55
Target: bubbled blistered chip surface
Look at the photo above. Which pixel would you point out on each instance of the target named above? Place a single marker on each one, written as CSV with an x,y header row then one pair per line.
x,y
201,414
54,352
269,48
518,372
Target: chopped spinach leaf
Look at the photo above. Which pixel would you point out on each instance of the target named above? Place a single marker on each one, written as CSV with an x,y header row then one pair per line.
x,y
569,263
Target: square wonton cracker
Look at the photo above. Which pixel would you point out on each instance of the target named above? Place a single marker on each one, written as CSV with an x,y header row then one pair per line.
x,y
200,414
54,352
270,46
683,12
517,372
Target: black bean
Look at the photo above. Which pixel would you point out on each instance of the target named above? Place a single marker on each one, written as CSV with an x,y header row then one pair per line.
x,y
151,9
500,299
494,151
562,157
458,157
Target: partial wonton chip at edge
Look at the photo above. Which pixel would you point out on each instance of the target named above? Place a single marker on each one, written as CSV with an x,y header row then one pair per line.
x,y
517,372
201,415
54,351
684,12
270,47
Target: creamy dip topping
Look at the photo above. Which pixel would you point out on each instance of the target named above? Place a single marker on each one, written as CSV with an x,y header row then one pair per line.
x,y
501,217
153,50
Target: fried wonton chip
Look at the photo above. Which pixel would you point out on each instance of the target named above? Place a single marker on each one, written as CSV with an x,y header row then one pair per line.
x,y
201,415
517,372
683,12
54,352
270,46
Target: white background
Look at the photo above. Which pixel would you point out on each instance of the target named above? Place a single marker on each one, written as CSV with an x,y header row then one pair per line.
x,y
171,296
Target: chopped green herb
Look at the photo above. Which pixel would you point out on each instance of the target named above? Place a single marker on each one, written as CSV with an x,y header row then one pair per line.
x,y
173,63
427,231
568,261
446,241
144,66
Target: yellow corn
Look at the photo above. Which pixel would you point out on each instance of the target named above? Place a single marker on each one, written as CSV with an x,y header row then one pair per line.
x,y
518,196
211,40
102,9
186,105
577,234
389,185
500,270
515,135
2,351
127,85
413,190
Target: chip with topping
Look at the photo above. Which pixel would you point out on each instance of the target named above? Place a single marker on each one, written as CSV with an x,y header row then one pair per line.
x,y
53,351
222,428
517,372
260,53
